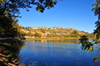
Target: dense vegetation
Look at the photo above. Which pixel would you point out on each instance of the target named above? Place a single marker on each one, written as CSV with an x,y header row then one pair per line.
x,y
8,25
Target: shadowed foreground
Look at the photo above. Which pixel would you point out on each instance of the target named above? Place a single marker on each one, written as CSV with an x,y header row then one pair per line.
x,y
9,50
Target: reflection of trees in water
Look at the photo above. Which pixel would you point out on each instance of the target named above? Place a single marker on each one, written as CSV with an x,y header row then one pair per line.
x,y
96,58
59,41
11,49
86,45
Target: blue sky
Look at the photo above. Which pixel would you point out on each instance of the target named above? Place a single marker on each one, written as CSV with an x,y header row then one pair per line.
x,y
67,13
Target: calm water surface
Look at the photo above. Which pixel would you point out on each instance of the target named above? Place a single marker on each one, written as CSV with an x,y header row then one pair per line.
x,y
35,53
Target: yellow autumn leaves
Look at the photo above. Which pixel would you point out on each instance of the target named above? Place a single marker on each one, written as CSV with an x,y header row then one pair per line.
x,y
90,49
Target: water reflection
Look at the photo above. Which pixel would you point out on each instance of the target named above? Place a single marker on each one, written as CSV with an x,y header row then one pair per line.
x,y
87,45
57,54
59,41
36,53
96,58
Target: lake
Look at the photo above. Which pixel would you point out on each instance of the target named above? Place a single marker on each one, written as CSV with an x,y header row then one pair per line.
x,y
58,53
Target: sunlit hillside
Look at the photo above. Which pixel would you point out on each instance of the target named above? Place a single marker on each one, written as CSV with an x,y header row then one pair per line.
x,y
53,32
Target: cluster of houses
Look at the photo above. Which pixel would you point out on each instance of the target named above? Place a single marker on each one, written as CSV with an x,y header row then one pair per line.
x,y
47,32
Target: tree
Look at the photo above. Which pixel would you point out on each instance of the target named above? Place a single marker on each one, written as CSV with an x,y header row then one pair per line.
x,y
65,36
21,33
42,30
27,34
74,32
8,25
13,6
48,35
32,34
96,10
97,31
37,35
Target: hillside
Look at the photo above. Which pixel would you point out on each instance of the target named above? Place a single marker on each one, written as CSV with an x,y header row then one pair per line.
x,y
59,31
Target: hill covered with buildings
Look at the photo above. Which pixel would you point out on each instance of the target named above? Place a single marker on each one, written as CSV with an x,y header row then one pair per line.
x,y
52,32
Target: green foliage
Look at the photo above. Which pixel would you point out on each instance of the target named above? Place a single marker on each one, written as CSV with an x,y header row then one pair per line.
x,y
97,31
74,32
65,36
58,41
13,6
8,9
9,55
37,35
32,34
96,9
42,30
96,58
21,33
12,58
2,2
85,43
8,26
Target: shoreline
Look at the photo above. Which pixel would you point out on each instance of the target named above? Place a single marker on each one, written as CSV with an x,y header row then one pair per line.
x,y
7,57
51,38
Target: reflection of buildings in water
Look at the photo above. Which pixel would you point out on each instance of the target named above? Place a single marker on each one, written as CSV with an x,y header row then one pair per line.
x,y
43,40
33,40
59,41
